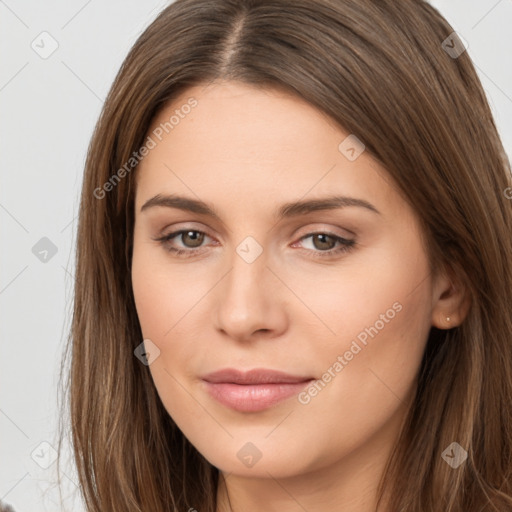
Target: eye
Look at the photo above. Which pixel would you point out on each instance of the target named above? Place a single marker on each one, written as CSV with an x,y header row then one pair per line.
x,y
191,239
328,244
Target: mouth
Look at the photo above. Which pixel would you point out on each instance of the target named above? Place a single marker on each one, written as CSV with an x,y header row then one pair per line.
x,y
253,390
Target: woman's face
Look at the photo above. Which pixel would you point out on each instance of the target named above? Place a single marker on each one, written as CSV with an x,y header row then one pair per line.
x,y
298,255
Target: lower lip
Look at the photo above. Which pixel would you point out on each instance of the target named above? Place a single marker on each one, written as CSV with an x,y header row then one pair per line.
x,y
253,397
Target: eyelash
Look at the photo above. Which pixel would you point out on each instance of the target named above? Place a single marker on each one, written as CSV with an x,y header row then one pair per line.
x,y
346,245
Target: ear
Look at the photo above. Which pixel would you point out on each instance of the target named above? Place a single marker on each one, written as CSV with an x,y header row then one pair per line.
x,y
450,299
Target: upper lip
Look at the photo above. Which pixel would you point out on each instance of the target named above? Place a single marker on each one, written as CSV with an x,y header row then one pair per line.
x,y
254,376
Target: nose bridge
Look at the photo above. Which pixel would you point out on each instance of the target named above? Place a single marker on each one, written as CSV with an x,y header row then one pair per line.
x,y
247,274
244,303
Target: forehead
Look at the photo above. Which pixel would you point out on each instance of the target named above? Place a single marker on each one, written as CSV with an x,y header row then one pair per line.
x,y
231,139
244,119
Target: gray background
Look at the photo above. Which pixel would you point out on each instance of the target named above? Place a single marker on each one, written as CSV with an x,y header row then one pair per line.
x,y
48,110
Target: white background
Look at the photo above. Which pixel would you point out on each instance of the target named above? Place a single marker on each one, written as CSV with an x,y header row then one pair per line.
x,y
48,111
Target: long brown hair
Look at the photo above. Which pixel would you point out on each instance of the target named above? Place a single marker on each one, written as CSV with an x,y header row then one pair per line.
x,y
380,70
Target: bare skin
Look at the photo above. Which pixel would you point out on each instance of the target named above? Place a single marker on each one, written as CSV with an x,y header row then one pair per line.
x,y
294,308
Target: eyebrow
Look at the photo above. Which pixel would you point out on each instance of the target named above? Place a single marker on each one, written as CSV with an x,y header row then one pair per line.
x,y
286,210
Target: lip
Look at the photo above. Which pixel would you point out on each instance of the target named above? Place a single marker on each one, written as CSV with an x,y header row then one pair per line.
x,y
253,390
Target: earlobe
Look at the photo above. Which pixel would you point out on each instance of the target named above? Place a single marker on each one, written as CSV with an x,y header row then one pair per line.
x,y
450,301
444,322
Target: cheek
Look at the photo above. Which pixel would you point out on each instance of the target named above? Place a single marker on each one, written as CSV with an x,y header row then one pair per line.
x,y
162,302
168,299
381,318
367,370
379,298
161,297
375,314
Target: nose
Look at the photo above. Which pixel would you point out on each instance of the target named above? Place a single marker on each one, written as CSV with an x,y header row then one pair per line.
x,y
250,301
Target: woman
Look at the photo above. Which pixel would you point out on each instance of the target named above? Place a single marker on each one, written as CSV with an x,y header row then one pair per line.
x,y
294,268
